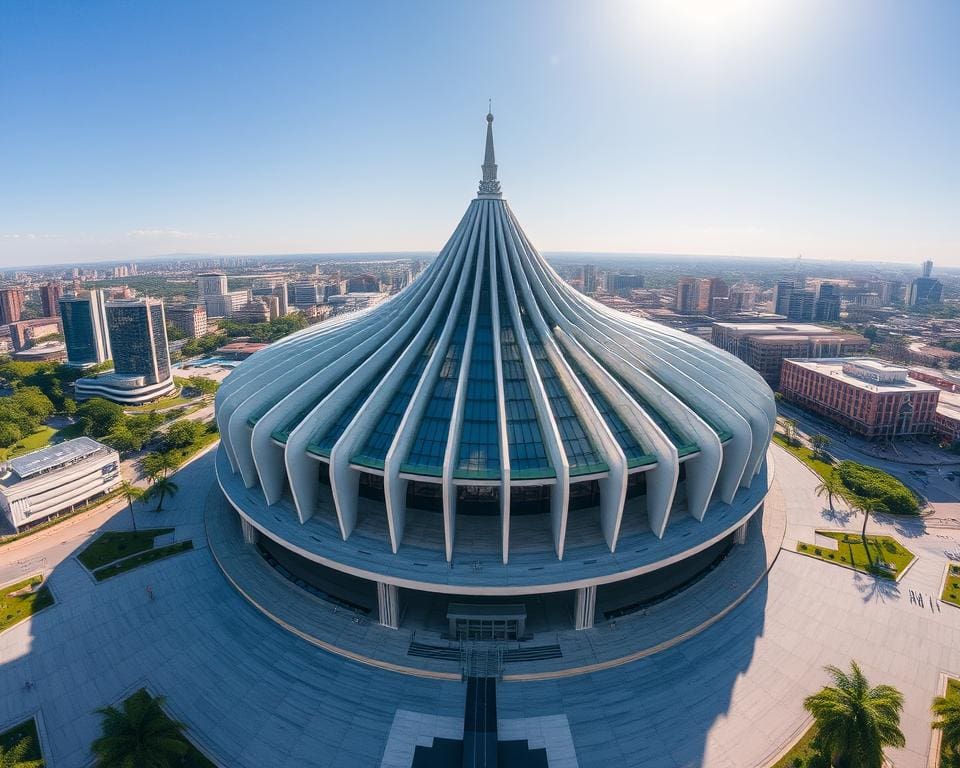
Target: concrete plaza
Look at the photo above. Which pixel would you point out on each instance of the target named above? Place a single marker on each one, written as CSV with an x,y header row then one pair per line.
x,y
254,694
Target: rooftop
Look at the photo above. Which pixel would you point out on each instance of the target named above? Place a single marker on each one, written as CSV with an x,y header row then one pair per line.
x,y
45,459
834,368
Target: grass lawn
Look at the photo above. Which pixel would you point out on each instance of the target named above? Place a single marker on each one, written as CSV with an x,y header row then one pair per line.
x,y
37,440
852,553
14,608
117,544
951,588
149,556
27,729
799,756
806,455
166,402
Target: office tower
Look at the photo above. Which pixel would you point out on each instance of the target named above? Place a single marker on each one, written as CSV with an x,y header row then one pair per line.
x,y
50,299
138,338
211,284
926,289
708,289
686,295
827,308
622,284
11,305
85,328
589,278
225,304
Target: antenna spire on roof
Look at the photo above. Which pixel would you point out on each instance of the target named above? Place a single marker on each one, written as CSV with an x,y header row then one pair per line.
x,y
489,186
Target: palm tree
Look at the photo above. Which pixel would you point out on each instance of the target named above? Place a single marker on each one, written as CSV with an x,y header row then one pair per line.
x,y
855,722
790,430
831,486
139,734
131,493
162,487
864,506
14,757
947,710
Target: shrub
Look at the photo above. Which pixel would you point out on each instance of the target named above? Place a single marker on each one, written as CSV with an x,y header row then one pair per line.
x,y
890,494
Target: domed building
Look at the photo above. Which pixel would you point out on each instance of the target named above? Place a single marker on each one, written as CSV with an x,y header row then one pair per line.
x,y
491,450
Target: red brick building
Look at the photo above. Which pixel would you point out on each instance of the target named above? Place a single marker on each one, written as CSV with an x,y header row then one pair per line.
x,y
872,398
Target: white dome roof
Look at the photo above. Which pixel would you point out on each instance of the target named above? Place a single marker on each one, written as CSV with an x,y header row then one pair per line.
x,y
490,372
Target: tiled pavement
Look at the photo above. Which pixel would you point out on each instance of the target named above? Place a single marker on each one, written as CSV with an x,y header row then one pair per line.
x,y
254,694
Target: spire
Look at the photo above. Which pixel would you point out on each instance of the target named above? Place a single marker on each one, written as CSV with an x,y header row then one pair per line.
x,y
489,186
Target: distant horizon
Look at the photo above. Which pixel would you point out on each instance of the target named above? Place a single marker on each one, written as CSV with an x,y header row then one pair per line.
x,y
386,255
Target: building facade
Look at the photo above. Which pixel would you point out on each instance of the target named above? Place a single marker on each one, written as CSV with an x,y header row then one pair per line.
x,y
869,397
11,305
85,334
141,355
225,304
764,346
38,485
490,434
211,284
50,299
191,319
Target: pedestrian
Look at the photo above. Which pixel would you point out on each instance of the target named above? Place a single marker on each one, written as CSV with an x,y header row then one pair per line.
x,y
150,592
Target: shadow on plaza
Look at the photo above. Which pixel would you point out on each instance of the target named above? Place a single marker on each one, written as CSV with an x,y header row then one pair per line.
x,y
658,711
84,652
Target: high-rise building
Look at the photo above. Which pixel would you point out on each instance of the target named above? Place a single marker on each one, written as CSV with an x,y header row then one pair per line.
x,y
225,304
306,294
11,305
589,278
687,295
50,299
793,302
926,289
622,284
276,290
363,284
211,284
141,356
708,289
85,328
189,318
827,307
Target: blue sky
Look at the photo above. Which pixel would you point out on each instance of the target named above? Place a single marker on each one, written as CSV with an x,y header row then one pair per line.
x,y
747,127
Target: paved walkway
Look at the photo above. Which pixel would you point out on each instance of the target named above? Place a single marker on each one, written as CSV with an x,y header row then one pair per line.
x,y
254,694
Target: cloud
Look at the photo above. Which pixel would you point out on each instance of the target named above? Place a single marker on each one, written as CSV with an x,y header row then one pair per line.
x,y
174,234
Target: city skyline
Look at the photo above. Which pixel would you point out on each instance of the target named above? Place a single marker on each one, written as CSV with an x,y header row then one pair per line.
x,y
758,129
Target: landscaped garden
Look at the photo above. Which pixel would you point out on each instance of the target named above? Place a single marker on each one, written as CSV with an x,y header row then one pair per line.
x,y
886,557
139,732
864,487
802,754
951,586
150,556
21,600
115,545
117,552
20,745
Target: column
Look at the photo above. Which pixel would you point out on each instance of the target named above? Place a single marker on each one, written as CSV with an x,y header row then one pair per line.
x,y
388,603
585,606
250,533
740,535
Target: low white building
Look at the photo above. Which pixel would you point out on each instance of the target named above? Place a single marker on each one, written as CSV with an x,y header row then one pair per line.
x,y
55,479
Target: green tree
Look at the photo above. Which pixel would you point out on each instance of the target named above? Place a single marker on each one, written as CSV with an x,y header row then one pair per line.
x,y
202,384
157,465
16,756
10,434
947,710
99,417
819,443
855,722
161,488
69,406
34,403
139,734
831,487
122,439
183,434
